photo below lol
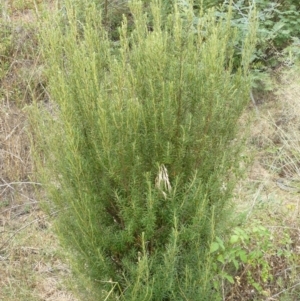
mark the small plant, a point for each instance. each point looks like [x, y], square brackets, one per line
[4, 203]
[248, 257]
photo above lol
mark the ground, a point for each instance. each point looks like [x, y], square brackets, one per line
[32, 266]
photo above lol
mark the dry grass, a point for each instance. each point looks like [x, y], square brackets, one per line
[15, 149]
[274, 146]
[31, 266]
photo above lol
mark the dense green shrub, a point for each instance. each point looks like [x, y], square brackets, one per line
[137, 148]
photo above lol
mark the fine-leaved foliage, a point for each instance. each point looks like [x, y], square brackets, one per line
[136, 145]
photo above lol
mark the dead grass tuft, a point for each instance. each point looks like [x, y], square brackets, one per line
[22, 79]
[30, 266]
[274, 145]
[16, 164]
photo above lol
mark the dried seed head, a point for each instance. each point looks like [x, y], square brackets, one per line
[162, 182]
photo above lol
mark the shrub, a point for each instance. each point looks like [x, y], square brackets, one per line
[137, 150]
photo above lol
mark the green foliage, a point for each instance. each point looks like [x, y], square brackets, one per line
[239, 252]
[277, 34]
[246, 256]
[136, 148]
[288, 16]
[279, 24]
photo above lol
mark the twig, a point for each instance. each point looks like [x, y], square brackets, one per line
[4, 151]
[24, 227]
[17, 231]
[284, 227]
[19, 183]
[276, 295]
[9, 135]
[17, 206]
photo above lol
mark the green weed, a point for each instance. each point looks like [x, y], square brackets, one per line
[249, 256]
